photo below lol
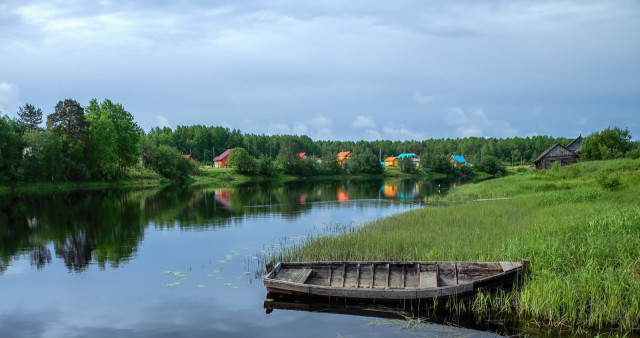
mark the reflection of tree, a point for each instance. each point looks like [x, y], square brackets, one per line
[75, 250]
[106, 227]
[40, 256]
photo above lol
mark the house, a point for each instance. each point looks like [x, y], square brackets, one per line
[415, 159]
[560, 154]
[222, 160]
[343, 157]
[391, 161]
[190, 158]
[458, 161]
[303, 155]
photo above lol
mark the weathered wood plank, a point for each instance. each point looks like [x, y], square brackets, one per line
[358, 277]
[344, 270]
[506, 266]
[428, 279]
[301, 276]
[330, 274]
[388, 276]
[404, 283]
[373, 275]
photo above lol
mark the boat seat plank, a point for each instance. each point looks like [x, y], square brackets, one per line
[506, 266]
[300, 276]
[428, 279]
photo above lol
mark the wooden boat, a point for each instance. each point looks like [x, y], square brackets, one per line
[391, 280]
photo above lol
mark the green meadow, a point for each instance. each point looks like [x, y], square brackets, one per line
[579, 226]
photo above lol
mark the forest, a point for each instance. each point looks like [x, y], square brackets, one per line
[101, 141]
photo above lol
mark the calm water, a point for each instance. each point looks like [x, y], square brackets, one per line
[180, 262]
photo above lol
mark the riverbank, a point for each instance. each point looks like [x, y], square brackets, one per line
[579, 225]
[139, 177]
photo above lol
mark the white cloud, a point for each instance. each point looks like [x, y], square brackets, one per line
[401, 133]
[363, 122]
[162, 121]
[300, 128]
[422, 98]
[278, 129]
[8, 98]
[477, 123]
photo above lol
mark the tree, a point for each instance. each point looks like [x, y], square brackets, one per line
[607, 144]
[364, 163]
[491, 165]
[166, 161]
[10, 151]
[438, 163]
[242, 161]
[68, 118]
[30, 116]
[115, 135]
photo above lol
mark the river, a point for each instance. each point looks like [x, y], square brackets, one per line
[183, 261]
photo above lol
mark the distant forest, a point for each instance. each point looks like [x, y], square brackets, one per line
[204, 143]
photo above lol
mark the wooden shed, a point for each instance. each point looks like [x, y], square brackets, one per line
[391, 161]
[222, 160]
[557, 153]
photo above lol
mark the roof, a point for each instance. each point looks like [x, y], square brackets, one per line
[544, 153]
[459, 158]
[189, 157]
[390, 158]
[406, 155]
[576, 144]
[302, 155]
[223, 155]
[343, 154]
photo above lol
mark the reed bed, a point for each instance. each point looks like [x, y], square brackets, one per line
[581, 233]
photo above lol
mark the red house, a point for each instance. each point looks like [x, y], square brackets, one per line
[222, 160]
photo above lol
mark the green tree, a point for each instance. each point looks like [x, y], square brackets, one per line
[115, 134]
[438, 163]
[166, 161]
[11, 146]
[607, 144]
[364, 163]
[30, 116]
[491, 165]
[242, 161]
[68, 118]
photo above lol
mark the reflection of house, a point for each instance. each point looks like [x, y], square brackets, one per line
[560, 154]
[343, 157]
[342, 195]
[222, 197]
[222, 160]
[303, 155]
[415, 159]
[458, 161]
[390, 190]
[391, 161]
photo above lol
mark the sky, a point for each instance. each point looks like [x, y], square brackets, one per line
[339, 70]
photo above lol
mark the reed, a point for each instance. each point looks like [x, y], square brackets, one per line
[582, 237]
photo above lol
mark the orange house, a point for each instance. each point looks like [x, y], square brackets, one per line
[343, 157]
[222, 160]
[391, 161]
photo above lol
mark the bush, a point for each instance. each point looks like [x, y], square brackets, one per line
[608, 182]
[364, 163]
[467, 171]
[166, 161]
[492, 166]
[437, 163]
[607, 144]
[242, 161]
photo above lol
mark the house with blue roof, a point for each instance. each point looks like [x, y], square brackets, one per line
[415, 159]
[459, 161]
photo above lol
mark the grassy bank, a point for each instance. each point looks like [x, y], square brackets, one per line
[579, 225]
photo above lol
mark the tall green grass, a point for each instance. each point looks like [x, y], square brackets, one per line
[582, 237]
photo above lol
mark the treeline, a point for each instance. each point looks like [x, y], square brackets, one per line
[204, 143]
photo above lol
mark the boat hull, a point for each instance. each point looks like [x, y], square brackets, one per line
[392, 280]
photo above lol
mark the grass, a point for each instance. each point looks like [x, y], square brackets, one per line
[581, 234]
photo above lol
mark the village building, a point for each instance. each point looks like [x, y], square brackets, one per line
[303, 155]
[458, 161]
[190, 157]
[415, 159]
[222, 160]
[391, 161]
[343, 157]
[559, 154]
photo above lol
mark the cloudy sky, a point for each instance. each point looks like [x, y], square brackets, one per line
[332, 69]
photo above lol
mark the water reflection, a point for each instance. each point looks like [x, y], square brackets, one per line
[107, 227]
